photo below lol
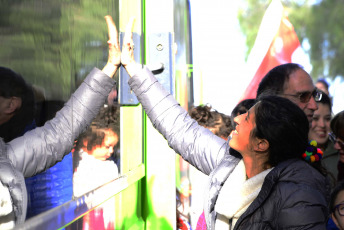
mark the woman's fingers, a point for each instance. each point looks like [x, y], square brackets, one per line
[112, 30]
[114, 56]
[128, 36]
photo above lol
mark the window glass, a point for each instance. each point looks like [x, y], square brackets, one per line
[54, 44]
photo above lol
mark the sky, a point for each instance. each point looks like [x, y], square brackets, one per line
[219, 57]
[218, 54]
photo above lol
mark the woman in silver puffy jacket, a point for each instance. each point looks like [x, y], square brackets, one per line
[271, 187]
[291, 195]
[43, 147]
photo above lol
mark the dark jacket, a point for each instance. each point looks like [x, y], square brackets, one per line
[331, 158]
[43, 147]
[294, 194]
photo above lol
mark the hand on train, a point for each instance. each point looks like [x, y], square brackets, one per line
[114, 57]
[126, 57]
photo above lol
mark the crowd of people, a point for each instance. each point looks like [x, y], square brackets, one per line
[277, 162]
[275, 174]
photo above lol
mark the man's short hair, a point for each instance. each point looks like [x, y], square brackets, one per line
[13, 84]
[273, 81]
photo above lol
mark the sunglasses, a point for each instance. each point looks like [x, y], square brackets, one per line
[305, 97]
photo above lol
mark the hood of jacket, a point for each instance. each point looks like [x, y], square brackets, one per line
[14, 181]
[285, 180]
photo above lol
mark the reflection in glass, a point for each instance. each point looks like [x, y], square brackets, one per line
[93, 162]
[54, 44]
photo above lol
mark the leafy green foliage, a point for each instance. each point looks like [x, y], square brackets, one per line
[320, 23]
[54, 44]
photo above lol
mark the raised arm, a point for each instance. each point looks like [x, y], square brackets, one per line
[194, 143]
[114, 57]
[42, 147]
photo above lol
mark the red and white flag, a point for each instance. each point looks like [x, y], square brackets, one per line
[275, 44]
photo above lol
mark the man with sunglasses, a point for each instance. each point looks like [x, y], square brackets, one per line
[293, 82]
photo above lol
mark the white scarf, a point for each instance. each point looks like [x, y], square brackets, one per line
[92, 173]
[6, 208]
[236, 195]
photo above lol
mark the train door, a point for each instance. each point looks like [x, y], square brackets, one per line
[54, 45]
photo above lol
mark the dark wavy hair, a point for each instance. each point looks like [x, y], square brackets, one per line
[207, 117]
[241, 108]
[273, 81]
[13, 84]
[326, 100]
[284, 125]
[107, 118]
[337, 125]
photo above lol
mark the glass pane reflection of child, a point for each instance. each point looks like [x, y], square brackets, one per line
[93, 149]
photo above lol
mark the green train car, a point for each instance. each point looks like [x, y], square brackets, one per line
[54, 44]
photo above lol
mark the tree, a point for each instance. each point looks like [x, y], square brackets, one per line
[318, 23]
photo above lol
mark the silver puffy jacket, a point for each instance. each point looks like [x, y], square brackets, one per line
[43, 147]
[294, 195]
[196, 144]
